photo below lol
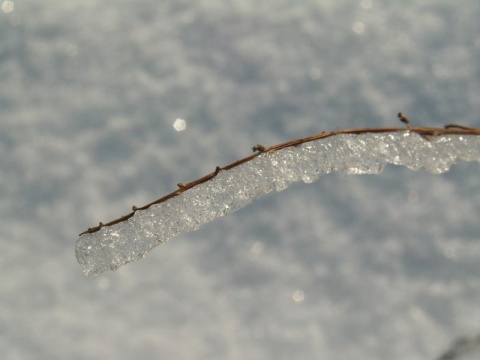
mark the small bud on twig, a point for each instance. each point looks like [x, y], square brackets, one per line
[403, 118]
[259, 148]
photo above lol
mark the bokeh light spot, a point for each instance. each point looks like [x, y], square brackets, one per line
[8, 6]
[358, 27]
[179, 124]
[298, 296]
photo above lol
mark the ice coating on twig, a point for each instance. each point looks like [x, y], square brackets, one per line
[366, 153]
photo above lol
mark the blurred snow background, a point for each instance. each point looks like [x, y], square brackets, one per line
[364, 267]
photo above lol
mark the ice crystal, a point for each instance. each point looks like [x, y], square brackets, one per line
[229, 190]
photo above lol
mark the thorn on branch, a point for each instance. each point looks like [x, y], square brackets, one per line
[217, 170]
[403, 118]
[181, 185]
[134, 208]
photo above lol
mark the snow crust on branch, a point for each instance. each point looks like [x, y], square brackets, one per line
[232, 189]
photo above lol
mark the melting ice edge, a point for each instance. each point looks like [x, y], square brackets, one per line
[367, 153]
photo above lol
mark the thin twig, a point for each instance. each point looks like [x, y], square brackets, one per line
[457, 126]
[259, 149]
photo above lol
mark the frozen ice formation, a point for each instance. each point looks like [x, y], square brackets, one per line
[366, 153]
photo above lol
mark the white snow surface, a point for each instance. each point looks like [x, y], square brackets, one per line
[232, 189]
[349, 267]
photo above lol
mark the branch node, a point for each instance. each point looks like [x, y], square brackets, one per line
[259, 148]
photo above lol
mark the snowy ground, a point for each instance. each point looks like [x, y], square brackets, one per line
[351, 267]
